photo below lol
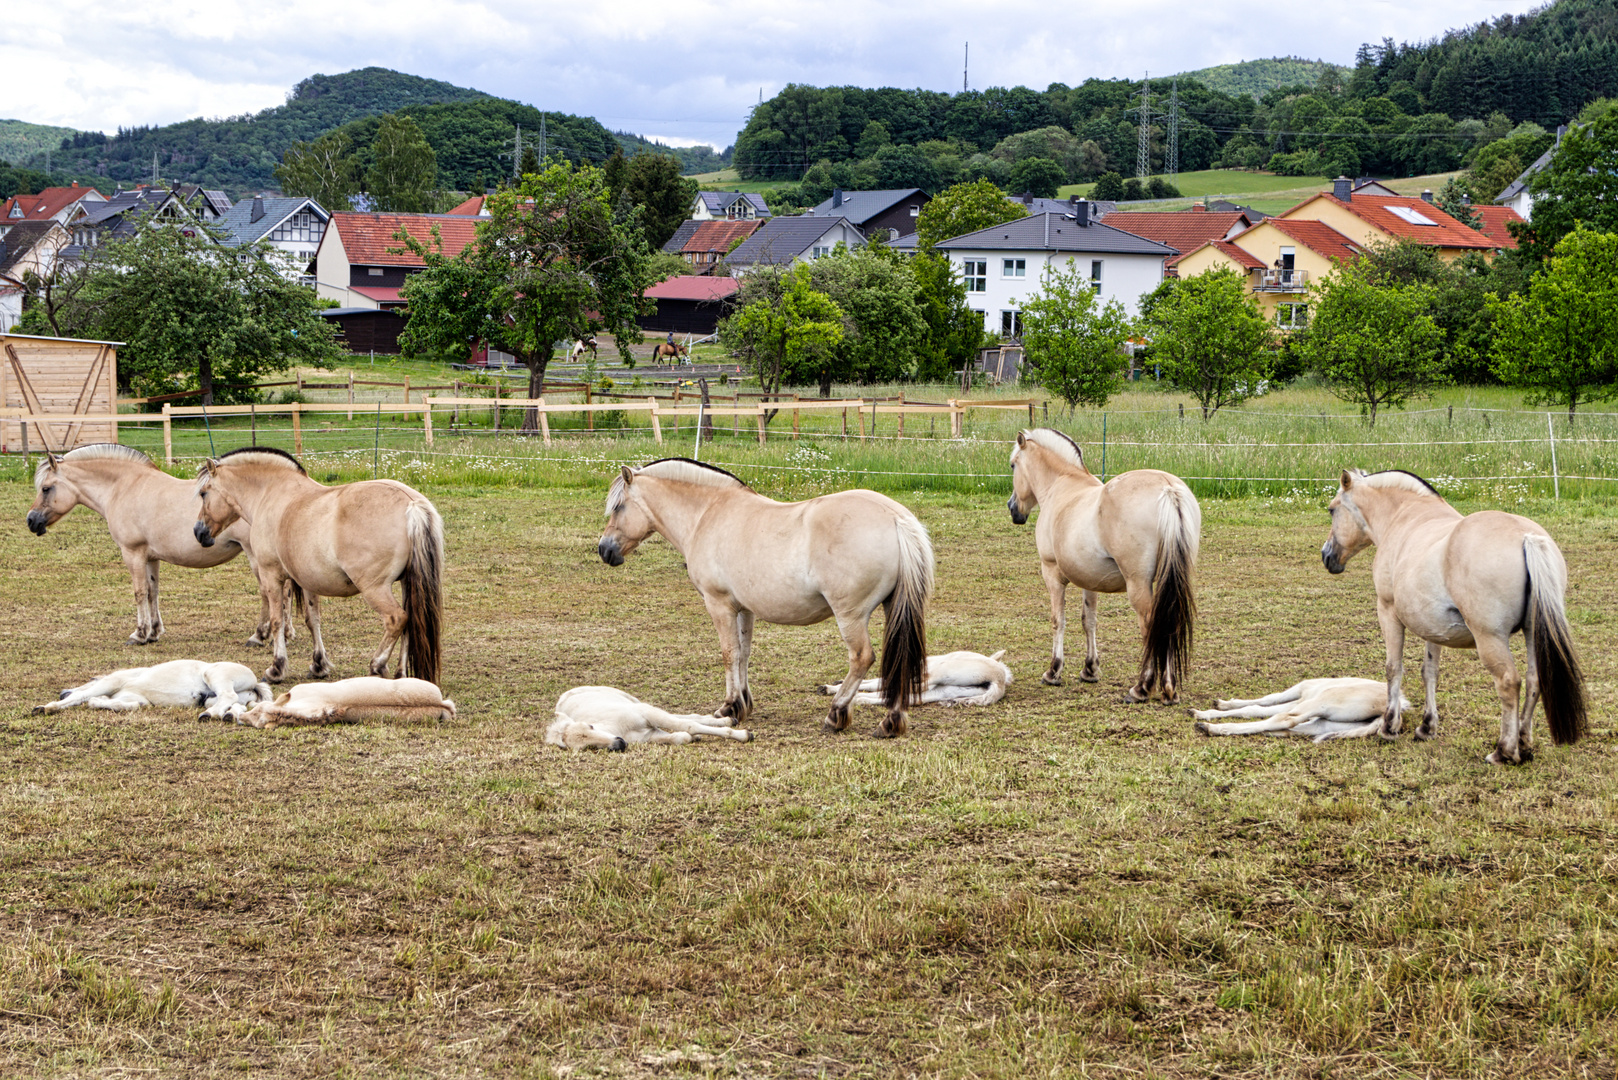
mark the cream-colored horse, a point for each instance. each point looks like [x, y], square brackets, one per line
[347, 701]
[149, 514]
[1468, 583]
[357, 539]
[607, 718]
[792, 563]
[1137, 534]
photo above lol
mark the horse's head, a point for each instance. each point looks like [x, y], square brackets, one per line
[1023, 500]
[1349, 533]
[628, 523]
[56, 495]
[219, 510]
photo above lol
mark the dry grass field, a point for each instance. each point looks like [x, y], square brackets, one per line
[1061, 885]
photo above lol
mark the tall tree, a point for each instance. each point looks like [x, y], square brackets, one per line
[655, 185]
[1211, 341]
[786, 331]
[552, 262]
[195, 316]
[1559, 342]
[1074, 342]
[954, 330]
[1579, 184]
[962, 209]
[325, 170]
[1376, 345]
[404, 170]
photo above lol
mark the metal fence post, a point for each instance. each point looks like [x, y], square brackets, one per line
[1556, 479]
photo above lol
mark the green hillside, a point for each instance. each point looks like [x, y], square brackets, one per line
[20, 141]
[1259, 77]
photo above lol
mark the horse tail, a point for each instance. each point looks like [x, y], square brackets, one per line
[1550, 643]
[423, 584]
[904, 636]
[1174, 605]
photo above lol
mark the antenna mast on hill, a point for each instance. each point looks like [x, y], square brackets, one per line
[966, 57]
[1171, 155]
[1143, 145]
[154, 169]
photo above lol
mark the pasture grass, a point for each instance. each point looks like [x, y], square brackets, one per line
[1060, 885]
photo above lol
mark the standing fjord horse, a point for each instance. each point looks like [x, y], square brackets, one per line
[1137, 534]
[1468, 583]
[357, 539]
[149, 514]
[788, 563]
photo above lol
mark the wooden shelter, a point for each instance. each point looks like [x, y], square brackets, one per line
[69, 376]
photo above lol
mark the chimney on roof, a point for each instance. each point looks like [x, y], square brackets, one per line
[1199, 208]
[836, 197]
[1026, 198]
[1427, 194]
[1466, 200]
[1081, 212]
[258, 208]
[1343, 188]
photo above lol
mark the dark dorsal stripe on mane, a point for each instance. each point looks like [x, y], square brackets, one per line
[262, 455]
[682, 469]
[1396, 479]
[103, 451]
[1057, 443]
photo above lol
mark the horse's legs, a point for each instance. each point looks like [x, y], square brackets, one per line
[1393, 637]
[744, 638]
[382, 601]
[1429, 683]
[1139, 592]
[154, 622]
[222, 700]
[1530, 697]
[135, 561]
[272, 588]
[1495, 652]
[727, 622]
[1092, 648]
[122, 701]
[856, 630]
[79, 695]
[263, 631]
[1057, 587]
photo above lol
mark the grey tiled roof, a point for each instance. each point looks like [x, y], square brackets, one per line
[676, 242]
[1515, 188]
[861, 206]
[782, 239]
[20, 239]
[239, 227]
[717, 201]
[1056, 232]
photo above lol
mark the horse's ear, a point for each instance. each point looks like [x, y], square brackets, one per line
[1348, 480]
[1022, 439]
[628, 474]
[54, 459]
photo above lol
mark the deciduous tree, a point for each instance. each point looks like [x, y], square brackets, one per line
[962, 209]
[325, 170]
[1211, 341]
[1074, 342]
[788, 333]
[404, 172]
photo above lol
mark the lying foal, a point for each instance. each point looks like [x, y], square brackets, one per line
[224, 688]
[607, 718]
[350, 700]
[1320, 709]
[957, 678]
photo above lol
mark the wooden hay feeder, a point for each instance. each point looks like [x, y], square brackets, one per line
[67, 376]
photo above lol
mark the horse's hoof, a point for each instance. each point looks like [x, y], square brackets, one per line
[836, 720]
[203, 718]
[1089, 677]
[822, 688]
[743, 735]
[274, 675]
[1050, 679]
[1202, 728]
[618, 746]
[1425, 734]
[40, 709]
[1387, 736]
[1133, 696]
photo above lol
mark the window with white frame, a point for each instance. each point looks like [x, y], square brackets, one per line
[1095, 274]
[819, 252]
[1014, 268]
[976, 273]
[1292, 316]
[1011, 324]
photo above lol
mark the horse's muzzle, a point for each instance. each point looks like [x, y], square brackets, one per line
[1017, 516]
[1331, 555]
[37, 521]
[203, 534]
[609, 552]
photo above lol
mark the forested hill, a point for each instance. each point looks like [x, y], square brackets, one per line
[1259, 77]
[1541, 66]
[21, 141]
[240, 153]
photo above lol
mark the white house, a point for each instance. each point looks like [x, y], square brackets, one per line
[293, 225]
[781, 241]
[1002, 266]
[728, 206]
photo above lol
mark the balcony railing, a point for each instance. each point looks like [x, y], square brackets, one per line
[1283, 280]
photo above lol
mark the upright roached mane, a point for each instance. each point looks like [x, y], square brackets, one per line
[1395, 480]
[1060, 444]
[675, 468]
[93, 452]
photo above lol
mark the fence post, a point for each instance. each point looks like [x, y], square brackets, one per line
[657, 428]
[845, 425]
[544, 420]
[1103, 448]
[427, 420]
[297, 424]
[351, 395]
[455, 413]
[676, 420]
[1030, 414]
[901, 414]
[761, 423]
[589, 414]
[299, 373]
[861, 412]
[1555, 476]
[736, 417]
[407, 390]
[252, 420]
[168, 433]
[956, 410]
[497, 407]
[795, 399]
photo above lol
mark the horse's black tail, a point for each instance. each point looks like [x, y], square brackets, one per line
[423, 584]
[1168, 636]
[1561, 684]
[904, 636]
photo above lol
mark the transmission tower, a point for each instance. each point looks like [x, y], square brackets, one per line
[516, 155]
[1171, 157]
[1143, 146]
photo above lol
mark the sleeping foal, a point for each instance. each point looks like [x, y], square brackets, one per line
[607, 718]
[1319, 709]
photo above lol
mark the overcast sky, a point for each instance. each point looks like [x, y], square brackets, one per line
[683, 72]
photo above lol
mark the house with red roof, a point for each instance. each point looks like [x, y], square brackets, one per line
[1182, 230]
[361, 264]
[59, 204]
[1369, 219]
[692, 304]
[704, 243]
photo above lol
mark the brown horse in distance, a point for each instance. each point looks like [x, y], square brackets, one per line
[356, 539]
[664, 351]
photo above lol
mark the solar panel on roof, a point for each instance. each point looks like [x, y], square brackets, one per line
[1412, 215]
